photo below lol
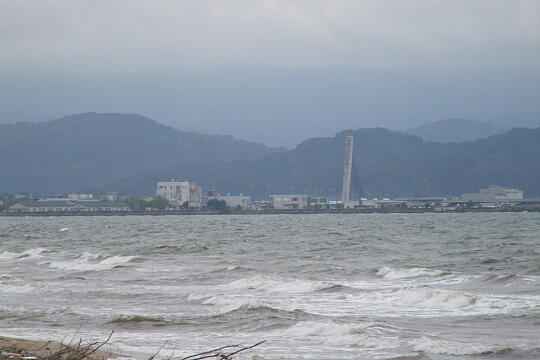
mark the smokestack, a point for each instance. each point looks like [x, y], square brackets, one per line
[347, 167]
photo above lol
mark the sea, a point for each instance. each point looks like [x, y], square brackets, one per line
[343, 286]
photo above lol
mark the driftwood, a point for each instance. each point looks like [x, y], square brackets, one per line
[78, 350]
[218, 353]
[90, 350]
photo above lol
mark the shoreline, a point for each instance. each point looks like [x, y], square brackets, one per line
[13, 348]
[275, 212]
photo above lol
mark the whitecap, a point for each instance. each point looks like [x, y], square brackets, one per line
[7, 277]
[228, 303]
[343, 334]
[30, 253]
[429, 297]
[92, 262]
[17, 289]
[400, 273]
[437, 346]
[280, 285]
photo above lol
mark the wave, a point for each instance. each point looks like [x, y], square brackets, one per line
[92, 262]
[401, 273]
[437, 346]
[177, 249]
[235, 304]
[489, 261]
[7, 277]
[229, 303]
[497, 279]
[419, 356]
[430, 297]
[257, 310]
[231, 268]
[344, 334]
[9, 287]
[139, 319]
[237, 268]
[246, 317]
[280, 285]
[30, 253]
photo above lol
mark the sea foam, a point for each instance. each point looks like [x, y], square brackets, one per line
[30, 253]
[429, 297]
[344, 334]
[400, 273]
[91, 262]
[437, 346]
[279, 285]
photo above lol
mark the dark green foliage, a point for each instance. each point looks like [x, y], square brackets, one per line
[456, 130]
[130, 153]
[160, 203]
[389, 164]
[216, 204]
[95, 152]
[138, 204]
[6, 201]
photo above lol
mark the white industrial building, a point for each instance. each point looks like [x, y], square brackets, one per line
[290, 201]
[494, 193]
[71, 206]
[179, 193]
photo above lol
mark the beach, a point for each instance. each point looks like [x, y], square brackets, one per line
[15, 348]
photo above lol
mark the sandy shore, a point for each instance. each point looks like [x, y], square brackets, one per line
[15, 349]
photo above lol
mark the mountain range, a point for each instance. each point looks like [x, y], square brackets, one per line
[456, 130]
[278, 106]
[129, 153]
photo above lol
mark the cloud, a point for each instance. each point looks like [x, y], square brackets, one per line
[135, 34]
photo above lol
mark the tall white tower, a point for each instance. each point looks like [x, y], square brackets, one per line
[347, 168]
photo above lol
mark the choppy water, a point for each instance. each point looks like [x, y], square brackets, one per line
[379, 286]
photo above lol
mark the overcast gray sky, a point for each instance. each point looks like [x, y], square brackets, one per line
[95, 35]
[272, 71]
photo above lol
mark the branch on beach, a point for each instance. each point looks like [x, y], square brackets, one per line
[78, 350]
[218, 353]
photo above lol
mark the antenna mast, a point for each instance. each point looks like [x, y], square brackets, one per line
[347, 167]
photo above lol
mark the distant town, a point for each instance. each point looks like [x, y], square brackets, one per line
[188, 197]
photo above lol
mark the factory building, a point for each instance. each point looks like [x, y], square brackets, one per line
[494, 193]
[290, 201]
[180, 193]
[233, 201]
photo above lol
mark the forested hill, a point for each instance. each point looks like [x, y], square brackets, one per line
[89, 151]
[130, 153]
[390, 163]
[456, 130]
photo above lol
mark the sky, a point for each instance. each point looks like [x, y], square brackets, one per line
[71, 43]
[85, 35]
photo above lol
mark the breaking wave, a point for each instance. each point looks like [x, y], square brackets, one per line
[401, 273]
[139, 319]
[7, 277]
[436, 346]
[249, 318]
[345, 334]
[177, 249]
[92, 262]
[31, 253]
[430, 297]
[280, 285]
[497, 279]
[229, 303]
